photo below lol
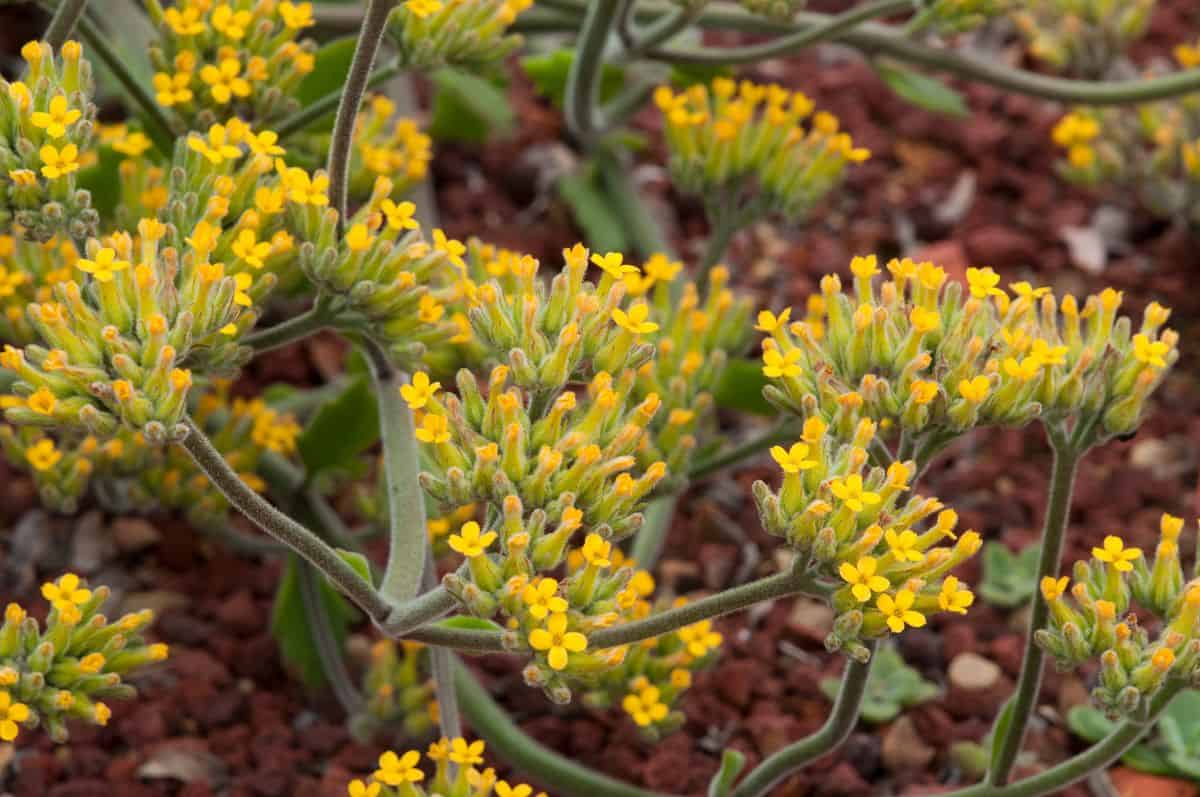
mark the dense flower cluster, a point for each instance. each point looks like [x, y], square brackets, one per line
[743, 147]
[46, 130]
[435, 33]
[218, 60]
[1083, 37]
[936, 358]
[854, 529]
[125, 474]
[399, 692]
[1092, 618]
[68, 669]
[457, 773]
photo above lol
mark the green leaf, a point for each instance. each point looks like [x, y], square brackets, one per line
[358, 562]
[329, 75]
[1088, 723]
[468, 108]
[293, 628]
[921, 90]
[593, 212]
[341, 430]
[1009, 579]
[103, 182]
[549, 75]
[684, 75]
[1000, 730]
[740, 388]
[464, 622]
[732, 763]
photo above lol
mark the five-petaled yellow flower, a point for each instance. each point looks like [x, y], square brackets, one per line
[11, 713]
[556, 641]
[399, 215]
[646, 706]
[59, 162]
[470, 542]
[903, 546]
[433, 429]
[105, 265]
[794, 459]
[975, 390]
[699, 638]
[776, 365]
[898, 611]
[55, 119]
[396, 770]
[863, 578]
[43, 455]
[954, 598]
[542, 598]
[66, 595]
[613, 264]
[983, 283]
[468, 754]
[635, 320]
[1152, 353]
[850, 491]
[224, 81]
[420, 391]
[1116, 554]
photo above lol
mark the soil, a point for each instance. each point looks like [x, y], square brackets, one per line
[223, 717]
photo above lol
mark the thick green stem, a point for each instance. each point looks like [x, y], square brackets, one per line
[442, 665]
[406, 502]
[782, 433]
[649, 540]
[296, 328]
[369, 37]
[645, 233]
[836, 729]
[731, 600]
[493, 724]
[583, 81]
[1058, 510]
[725, 226]
[829, 28]
[314, 111]
[280, 526]
[1096, 757]
[63, 22]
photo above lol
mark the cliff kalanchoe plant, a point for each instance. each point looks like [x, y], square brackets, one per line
[535, 418]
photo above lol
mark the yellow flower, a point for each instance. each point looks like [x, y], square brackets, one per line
[635, 320]
[923, 391]
[542, 598]
[422, 8]
[66, 596]
[59, 162]
[56, 118]
[645, 707]
[793, 460]
[1046, 354]
[898, 611]
[769, 323]
[1116, 554]
[242, 283]
[418, 393]
[452, 249]
[217, 147]
[975, 390]
[903, 546]
[43, 455]
[1152, 353]
[468, 754]
[359, 238]
[296, 16]
[1024, 370]
[105, 267]
[172, 90]
[983, 282]
[304, 190]
[433, 429]
[597, 550]
[862, 578]
[230, 23]
[396, 770]
[556, 641]
[224, 81]
[133, 145]
[186, 22]
[264, 143]
[359, 789]
[699, 638]
[953, 599]
[399, 215]
[776, 365]
[10, 714]
[519, 790]
[469, 542]
[1162, 659]
[613, 264]
[924, 320]
[250, 250]
[850, 491]
[42, 401]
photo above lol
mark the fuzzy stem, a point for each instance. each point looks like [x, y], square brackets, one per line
[369, 37]
[1058, 510]
[406, 502]
[493, 724]
[830, 28]
[442, 663]
[63, 22]
[583, 81]
[837, 727]
[287, 332]
[283, 528]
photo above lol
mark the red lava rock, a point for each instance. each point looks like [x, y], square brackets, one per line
[1007, 651]
[736, 680]
[241, 614]
[197, 790]
[957, 638]
[1131, 783]
[1001, 247]
[147, 724]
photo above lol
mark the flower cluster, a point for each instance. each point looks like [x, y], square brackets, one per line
[1093, 618]
[935, 358]
[125, 474]
[457, 773]
[399, 692]
[743, 147]
[854, 530]
[46, 130]
[436, 33]
[28, 272]
[956, 16]
[238, 58]
[68, 669]
[1082, 37]
[782, 10]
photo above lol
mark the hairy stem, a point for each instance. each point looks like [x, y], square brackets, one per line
[1058, 509]
[369, 37]
[442, 663]
[493, 724]
[283, 528]
[287, 332]
[830, 28]
[837, 727]
[583, 81]
[406, 502]
[63, 22]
